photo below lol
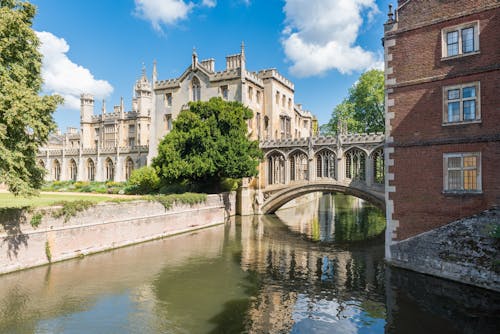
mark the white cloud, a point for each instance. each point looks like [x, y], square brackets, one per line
[321, 35]
[209, 3]
[63, 77]
[165, 11]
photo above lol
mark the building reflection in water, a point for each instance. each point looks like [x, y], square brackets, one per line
[251, 275]
[333, 217]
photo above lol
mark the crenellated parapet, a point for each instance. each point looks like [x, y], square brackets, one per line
[274, 74]
[348, 139]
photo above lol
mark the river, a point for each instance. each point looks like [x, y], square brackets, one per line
[314, 268]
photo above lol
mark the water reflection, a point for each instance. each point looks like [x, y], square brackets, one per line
[252, 275]
[333, 218]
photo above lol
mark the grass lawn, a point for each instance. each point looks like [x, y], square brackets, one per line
[8, 200]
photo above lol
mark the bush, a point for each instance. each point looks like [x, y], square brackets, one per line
[143, 181]
[187, 198]
[230, 184]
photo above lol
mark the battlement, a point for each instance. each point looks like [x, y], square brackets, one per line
[253, 76]
[169, 83]
[351, 138]
[274, 74]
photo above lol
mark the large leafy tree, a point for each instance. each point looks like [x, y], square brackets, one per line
[25, 116]
[363, 109]
[208, 143]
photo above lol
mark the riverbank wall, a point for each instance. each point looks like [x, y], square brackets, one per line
[102, 227]
[466, 251]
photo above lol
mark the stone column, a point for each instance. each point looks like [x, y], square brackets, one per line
[369, 171]
[244, 200]
[340, 166]
[287, 171]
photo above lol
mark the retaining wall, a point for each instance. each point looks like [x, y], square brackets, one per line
[463, 251]
[102, 227]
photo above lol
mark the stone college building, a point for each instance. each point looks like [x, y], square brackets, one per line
[112, 144]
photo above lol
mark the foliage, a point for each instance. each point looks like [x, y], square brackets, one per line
[25, 116]
[169, 200]
[36, 219]
[70, 209]
[363, 109]
[494, 230]
[208, 142]
[143, 181]
[8, 200]
[85, 187]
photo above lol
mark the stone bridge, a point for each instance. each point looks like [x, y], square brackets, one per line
[352, 164]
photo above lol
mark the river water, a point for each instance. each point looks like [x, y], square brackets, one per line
[314, 268]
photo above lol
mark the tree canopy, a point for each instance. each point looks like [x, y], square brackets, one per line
[363, 109]
[25, 116]
[208, 142]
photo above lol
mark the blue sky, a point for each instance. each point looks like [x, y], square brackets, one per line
[99, 46]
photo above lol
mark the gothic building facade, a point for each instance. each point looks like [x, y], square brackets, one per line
[112, 144]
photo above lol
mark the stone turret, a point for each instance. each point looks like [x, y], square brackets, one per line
[86, 107]
[144, 95]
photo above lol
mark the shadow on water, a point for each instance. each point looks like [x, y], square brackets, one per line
[253, 275]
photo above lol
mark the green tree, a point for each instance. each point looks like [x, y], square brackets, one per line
[363, 109]
[208, 143]
[25, 116]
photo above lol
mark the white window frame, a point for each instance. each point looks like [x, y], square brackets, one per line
[459, 28]
[461, 155]
[461, 101]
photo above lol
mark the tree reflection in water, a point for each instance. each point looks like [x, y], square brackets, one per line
[253, 275]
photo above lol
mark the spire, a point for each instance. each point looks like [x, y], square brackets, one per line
[103, 109]
[122, 105]
[195, 59]
[390, 15]
[242, 60]
[143, 70]
[155, 73]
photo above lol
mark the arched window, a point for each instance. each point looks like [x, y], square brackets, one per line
[56, 170]
[196, 89]
[41, 164]
[325, 164]
[90, 170]
[378, 166]
[355, 161]
[129, 167]
[110, 170]
[73, 171]
[276, 169]
[299, 166]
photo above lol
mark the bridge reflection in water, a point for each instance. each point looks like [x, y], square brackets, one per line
[253, 274]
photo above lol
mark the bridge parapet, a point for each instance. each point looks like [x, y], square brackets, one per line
[350, 163]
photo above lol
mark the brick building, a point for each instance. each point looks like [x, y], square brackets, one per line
[442, 67]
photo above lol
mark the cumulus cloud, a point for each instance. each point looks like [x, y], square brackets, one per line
[165, 11]
[320, 36]
[63, 77]
[209, 3]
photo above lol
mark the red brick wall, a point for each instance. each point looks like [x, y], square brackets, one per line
[419, 110]
[420, 139]
[419, 202]
[416, 12]
[417, 54]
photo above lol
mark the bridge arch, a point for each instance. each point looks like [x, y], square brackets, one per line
[283, 196]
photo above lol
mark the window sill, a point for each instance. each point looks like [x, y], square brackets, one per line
[461, 55]
[462, 193]
[462, 123]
